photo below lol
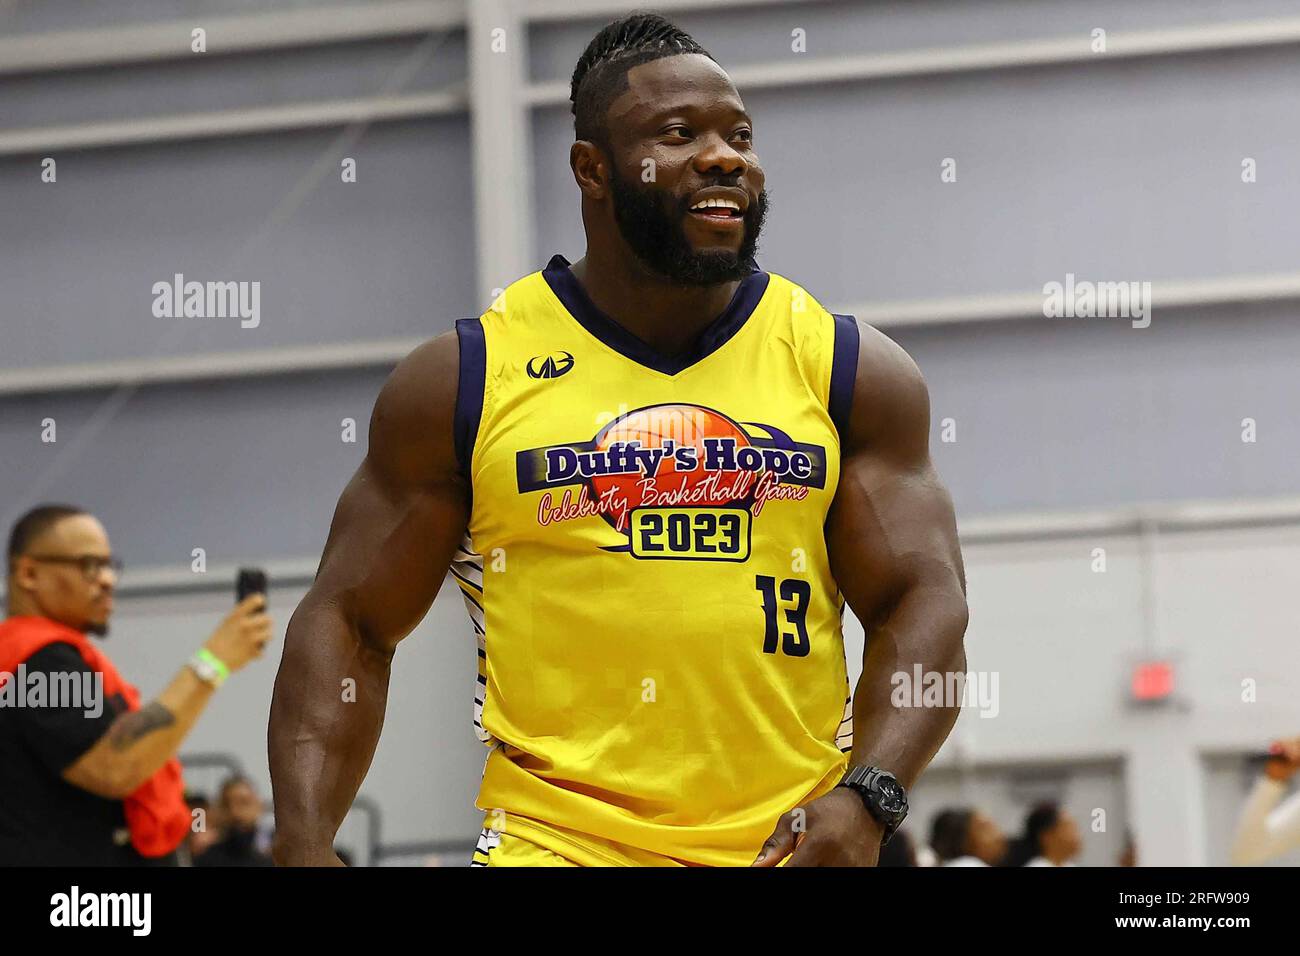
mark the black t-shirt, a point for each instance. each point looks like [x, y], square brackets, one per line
[44, 820]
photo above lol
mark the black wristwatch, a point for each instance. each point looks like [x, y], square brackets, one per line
[884, 796]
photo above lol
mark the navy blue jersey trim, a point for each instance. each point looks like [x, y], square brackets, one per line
[844, 372]
[574, 298]
[469, 391]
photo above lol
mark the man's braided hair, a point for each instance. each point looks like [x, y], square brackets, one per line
[600, 76]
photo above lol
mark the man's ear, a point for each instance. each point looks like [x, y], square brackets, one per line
[590, 169]
[23, 576]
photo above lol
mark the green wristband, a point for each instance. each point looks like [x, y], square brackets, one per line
[210, 667]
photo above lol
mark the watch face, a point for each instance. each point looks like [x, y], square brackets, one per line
[891, 796]
[205, 671]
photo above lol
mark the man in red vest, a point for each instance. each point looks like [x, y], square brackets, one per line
[90, 775]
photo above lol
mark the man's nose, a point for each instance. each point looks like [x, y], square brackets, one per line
[718, 154]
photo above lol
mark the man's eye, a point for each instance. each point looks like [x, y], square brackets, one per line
[684, 131]
[746, 135]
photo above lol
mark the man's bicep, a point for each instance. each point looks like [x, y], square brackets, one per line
[892, 525]
[890, 529]
[404, 513]
[389, 550]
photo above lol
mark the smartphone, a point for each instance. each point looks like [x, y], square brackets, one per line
[249, 581]
[1256, 762]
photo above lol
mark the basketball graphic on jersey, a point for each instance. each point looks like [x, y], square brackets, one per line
[679, 481]
[670, 427]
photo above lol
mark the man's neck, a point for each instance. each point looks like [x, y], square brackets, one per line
[669, 318]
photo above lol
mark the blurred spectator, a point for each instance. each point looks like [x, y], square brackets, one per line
[898, 851]
[961, 836]
[1267, 830]
[1051, 838]
[204, 828]
[1129, 855]
[241, 810]
[90, 770]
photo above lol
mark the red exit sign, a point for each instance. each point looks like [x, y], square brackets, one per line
[1152, 681]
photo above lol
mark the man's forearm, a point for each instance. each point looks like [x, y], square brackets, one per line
[141, 741]
[925, 627]
[326, 714]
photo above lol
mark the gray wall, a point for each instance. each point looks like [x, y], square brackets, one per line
[1113, 170]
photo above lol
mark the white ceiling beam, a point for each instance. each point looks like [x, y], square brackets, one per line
[181, 369]
[791, 73]
[282, 29]
[1019, 528]
[798, 71]
[542, 11]
[44, 140]
[247, 33]
[1021, 306]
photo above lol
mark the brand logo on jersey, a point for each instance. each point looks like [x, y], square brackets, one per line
[662, 462]
[549, 366]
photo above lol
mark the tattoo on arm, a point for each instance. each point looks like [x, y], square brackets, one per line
[129, 728]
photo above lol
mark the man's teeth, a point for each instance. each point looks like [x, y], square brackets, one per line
[717, 204]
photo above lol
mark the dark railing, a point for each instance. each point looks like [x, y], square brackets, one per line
[207, 761]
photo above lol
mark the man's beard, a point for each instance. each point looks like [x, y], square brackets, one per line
[99, 630]
[651, 223]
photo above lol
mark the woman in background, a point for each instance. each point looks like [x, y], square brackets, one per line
[964, 837]
[1051, 838]
[1267, 830]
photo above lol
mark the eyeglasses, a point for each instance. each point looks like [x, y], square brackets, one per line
[91, 565]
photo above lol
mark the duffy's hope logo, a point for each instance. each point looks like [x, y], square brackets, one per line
[680, 481]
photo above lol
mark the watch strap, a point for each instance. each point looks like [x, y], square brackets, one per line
[862, 780]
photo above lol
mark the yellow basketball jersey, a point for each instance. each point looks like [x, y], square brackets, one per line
[661, 663]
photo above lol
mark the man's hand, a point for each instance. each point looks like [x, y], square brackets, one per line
[243, 635]
[834, 830]
[1284, 760]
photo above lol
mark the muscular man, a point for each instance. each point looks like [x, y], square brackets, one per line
[657, 475]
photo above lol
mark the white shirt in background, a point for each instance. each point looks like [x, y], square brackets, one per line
[1267, 830]
[965, 861]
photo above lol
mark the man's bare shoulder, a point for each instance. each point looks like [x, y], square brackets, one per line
[891, 403]
[412, 429]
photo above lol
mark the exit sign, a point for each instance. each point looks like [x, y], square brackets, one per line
[1152, 681]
